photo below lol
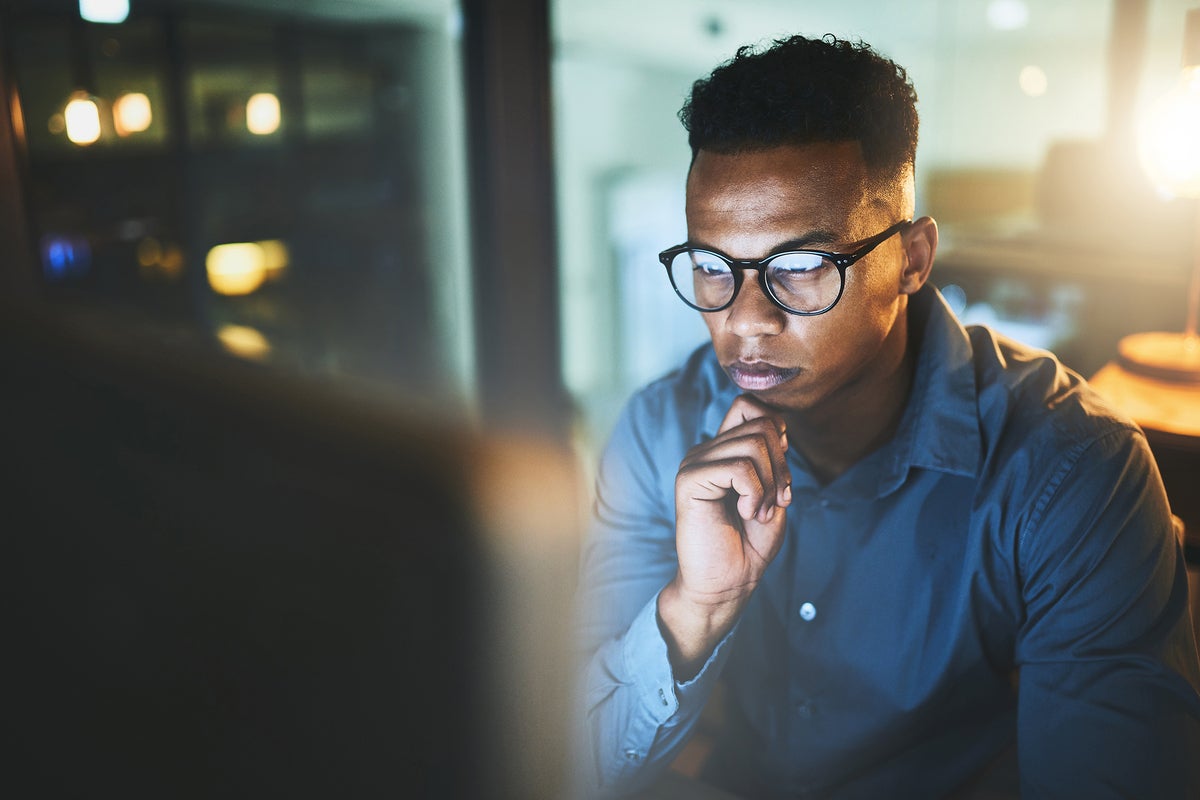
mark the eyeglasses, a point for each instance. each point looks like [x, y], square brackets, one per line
[805, 282]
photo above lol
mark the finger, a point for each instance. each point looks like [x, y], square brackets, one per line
[754, 415]
[758, 441]
[765, 537]
[745, 408]
[713, 480]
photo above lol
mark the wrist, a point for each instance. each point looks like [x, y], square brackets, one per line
[693, 626]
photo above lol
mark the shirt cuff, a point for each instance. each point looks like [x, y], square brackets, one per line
[649, 667]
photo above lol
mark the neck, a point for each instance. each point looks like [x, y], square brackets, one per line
[861, 417]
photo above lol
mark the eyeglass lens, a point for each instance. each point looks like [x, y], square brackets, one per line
[803, 282]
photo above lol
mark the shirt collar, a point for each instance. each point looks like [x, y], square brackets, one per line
[939, 429]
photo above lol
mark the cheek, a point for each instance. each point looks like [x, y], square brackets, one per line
[871, 301]
[724, 344]
[852, 332]
[816, 339]
[877, 282]
[715, 324]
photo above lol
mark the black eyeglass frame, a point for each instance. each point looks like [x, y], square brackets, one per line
[738, 267]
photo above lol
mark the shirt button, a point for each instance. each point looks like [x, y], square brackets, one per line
[633, 755]
[808, 612]
[804, 709]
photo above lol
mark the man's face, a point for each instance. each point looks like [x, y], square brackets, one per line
[752, 204]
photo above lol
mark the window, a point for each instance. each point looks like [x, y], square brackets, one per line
[284, 185]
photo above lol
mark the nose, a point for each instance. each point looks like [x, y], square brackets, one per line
[753, 313]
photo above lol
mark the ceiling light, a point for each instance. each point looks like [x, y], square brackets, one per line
[1033, 81]
[82, 119]
[262, 114]
[111, 12]
[1007, 15]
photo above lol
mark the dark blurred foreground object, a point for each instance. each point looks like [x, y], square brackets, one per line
[221, 583]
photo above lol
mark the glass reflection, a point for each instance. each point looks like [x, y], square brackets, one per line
[236, 269]
[132, 113]
[263, 114]
[82, 120]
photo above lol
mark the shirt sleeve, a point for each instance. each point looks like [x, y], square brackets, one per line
[633, 717]
[1107, 704]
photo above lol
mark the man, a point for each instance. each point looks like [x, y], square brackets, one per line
[905, 548]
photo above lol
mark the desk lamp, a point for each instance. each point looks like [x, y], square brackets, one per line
[1169, 145]
[1156, 377]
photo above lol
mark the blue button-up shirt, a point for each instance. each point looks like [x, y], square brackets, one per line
[1003, 569]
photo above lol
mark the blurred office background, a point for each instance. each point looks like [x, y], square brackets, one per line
[1027, 159]
[452, 210]
[292, 182]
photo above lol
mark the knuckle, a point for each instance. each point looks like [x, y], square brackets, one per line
[751, 469]
[741, 463]
[687, 470]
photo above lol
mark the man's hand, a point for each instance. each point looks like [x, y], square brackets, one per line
[730, 499]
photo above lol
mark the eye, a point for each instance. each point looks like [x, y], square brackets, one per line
[709, 265]
[798, 266]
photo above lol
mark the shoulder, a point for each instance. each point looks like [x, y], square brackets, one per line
[997, 407]
[1060, 456]
[1028, 399]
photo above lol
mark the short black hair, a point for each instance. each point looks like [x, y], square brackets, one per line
[805, 91]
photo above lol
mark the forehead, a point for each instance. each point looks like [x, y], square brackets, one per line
[787, 191]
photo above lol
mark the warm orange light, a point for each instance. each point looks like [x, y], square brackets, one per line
[1169, 138]
[149, 251]
[236, 269]
[262, 114]
[156, 262]
[18, 116]
[170, 264]
[275, 258]
[244, 341]
[82, 119]
[132, 113]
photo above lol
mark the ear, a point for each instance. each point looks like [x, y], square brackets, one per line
[920, 244]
